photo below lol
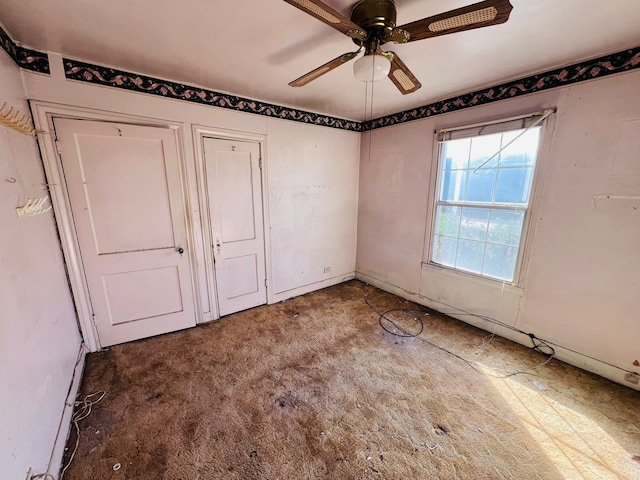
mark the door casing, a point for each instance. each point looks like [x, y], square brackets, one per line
[200, 132]
[44, 114]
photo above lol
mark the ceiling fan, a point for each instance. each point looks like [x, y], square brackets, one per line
[373, 23]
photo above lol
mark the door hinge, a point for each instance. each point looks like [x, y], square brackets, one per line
[265, 283]
[58, 149]
[260, 162]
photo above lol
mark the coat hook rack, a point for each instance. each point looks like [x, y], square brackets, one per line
[17, 121]
[34, 206]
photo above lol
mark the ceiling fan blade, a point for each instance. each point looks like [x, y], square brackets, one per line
[401, 76]
[483, 14]
[328, 15]
[326, 68]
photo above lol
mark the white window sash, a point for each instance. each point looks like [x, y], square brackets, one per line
[498, 206]
[525, 122]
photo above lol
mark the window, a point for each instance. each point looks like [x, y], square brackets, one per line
[485, 174]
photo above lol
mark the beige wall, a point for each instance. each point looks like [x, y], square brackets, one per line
[313, 200]
[39, 339]
[579, 287]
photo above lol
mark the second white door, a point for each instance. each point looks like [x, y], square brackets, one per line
[234, 190]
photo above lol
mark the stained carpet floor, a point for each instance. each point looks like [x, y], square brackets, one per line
[314, 388]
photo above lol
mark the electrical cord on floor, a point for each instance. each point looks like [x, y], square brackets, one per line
[549, 343]
[405, 333]
[383, 320]
[538, 343]
[83, 411]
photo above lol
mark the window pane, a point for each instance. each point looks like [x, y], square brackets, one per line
[452, 185]
[484, 147]
[444, 250]
[479, 216]
[480, 185]
[521, 152]
[456, 154]
[500, 262]
[474, 223]
[514, 185]
[470, 255]
[505, 227]
[448, 220]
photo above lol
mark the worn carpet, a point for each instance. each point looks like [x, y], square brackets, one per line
[314, 388]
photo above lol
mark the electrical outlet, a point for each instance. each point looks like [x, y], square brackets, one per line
[327, 269]
[632, 378]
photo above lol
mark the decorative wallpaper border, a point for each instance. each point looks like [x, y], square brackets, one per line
[579, 72]
[24, 57]
[587, 70]
[86, 72]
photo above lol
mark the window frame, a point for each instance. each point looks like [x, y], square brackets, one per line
[546, 130]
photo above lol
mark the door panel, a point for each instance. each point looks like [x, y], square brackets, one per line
[235, 196]
[127, 302]
[111, 168]
[126, 197]
[241, 275]
[234, 192]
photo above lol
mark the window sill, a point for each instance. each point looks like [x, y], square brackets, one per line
[470, 277]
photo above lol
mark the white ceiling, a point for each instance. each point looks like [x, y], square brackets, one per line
[253, 48]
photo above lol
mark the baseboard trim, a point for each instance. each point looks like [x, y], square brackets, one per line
[573, 358]
[312, 287]
[57, 454]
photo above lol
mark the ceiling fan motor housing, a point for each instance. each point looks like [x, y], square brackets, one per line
[376, 17]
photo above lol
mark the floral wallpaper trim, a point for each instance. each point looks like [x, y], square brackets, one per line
[619, 62]
[579, 72]
[24, 57]
[86, 72]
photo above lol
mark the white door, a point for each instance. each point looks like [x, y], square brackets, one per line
[234, 191]
[128, 208]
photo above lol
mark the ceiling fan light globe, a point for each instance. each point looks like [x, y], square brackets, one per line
[371, 68]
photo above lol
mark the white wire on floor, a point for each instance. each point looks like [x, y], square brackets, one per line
[83, 410]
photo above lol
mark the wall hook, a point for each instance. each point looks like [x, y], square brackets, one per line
[34, 206]
[17, 121]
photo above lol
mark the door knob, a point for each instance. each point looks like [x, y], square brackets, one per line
[180, 250]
